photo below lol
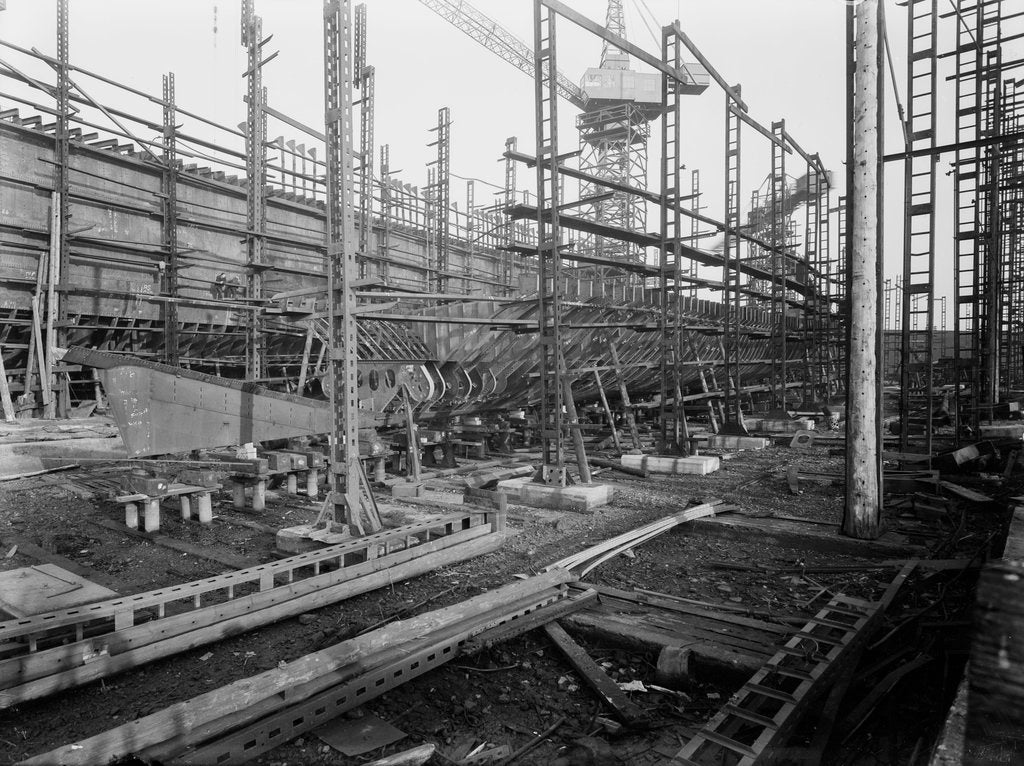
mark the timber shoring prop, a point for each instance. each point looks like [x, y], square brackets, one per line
[115, 635]
[236, 722]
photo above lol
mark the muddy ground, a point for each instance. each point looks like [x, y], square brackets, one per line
[506, 695]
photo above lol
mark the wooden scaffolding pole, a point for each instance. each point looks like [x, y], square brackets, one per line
[863, 432]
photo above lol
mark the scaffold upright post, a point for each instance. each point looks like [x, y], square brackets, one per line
[348, 493]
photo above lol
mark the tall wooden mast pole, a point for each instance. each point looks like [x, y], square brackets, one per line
[863, 428]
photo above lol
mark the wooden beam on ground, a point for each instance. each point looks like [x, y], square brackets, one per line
[964, 492]
[199, 551]
[129, 645]
[197, 718]
[579, 599]
[667, 602]
[615, 466]
[33, 551]
[813, 536]
[594, 676]
[623, 630]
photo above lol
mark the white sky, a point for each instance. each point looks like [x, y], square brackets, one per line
[788, 55]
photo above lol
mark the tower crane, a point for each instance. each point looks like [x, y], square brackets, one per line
[617, 106]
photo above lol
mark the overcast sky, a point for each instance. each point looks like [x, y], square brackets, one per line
[788, 55]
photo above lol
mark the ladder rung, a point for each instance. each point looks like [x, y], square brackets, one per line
[831, 624]
[782, 670]
[793, 651]
[728, 743]
[767, 691]
[819, 639]
[749, 715]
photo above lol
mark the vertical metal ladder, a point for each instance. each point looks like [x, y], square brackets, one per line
[919, 215]
[733, 422]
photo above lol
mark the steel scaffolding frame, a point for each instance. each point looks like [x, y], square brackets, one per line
[613, 146]
[256, 179]
[169, 187]
[918, 283]
[731, 295]
[1011, 186]
[507, 263]
[674, 440]
[813, 323]
[441, 186]
[840, 298]
[970, 192]
[695, 233]
[777, 226]
[827, 317]
[384, 239]
[59, 260]
[349, 495]
[549, 259]
[365, 83]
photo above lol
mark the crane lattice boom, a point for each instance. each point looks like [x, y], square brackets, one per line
[490, 34]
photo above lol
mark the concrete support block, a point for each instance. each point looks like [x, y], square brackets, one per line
[513, 488]
[204, 501]
[186, 507]
[131, 515]
[578, 497]
[259, 495]
[1002, 431]
[408, 489]
[296, 539]
[151, 520]
[293, 484]
[238, 495]
[312, 484]
[779, 425]
[700, 464]
[718, 441]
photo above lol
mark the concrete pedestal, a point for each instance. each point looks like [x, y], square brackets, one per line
[578, 497]
[151, 519]
[1002, 431]
[205, 503]
[719, 441]
[306, 537]
[408, 489]
[700, 464]
[779, 425]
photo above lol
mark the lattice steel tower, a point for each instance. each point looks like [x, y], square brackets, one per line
[614, 129]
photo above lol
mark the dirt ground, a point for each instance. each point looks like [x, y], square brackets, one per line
[508, 694]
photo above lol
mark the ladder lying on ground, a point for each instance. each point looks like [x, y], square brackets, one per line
[760, 716]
